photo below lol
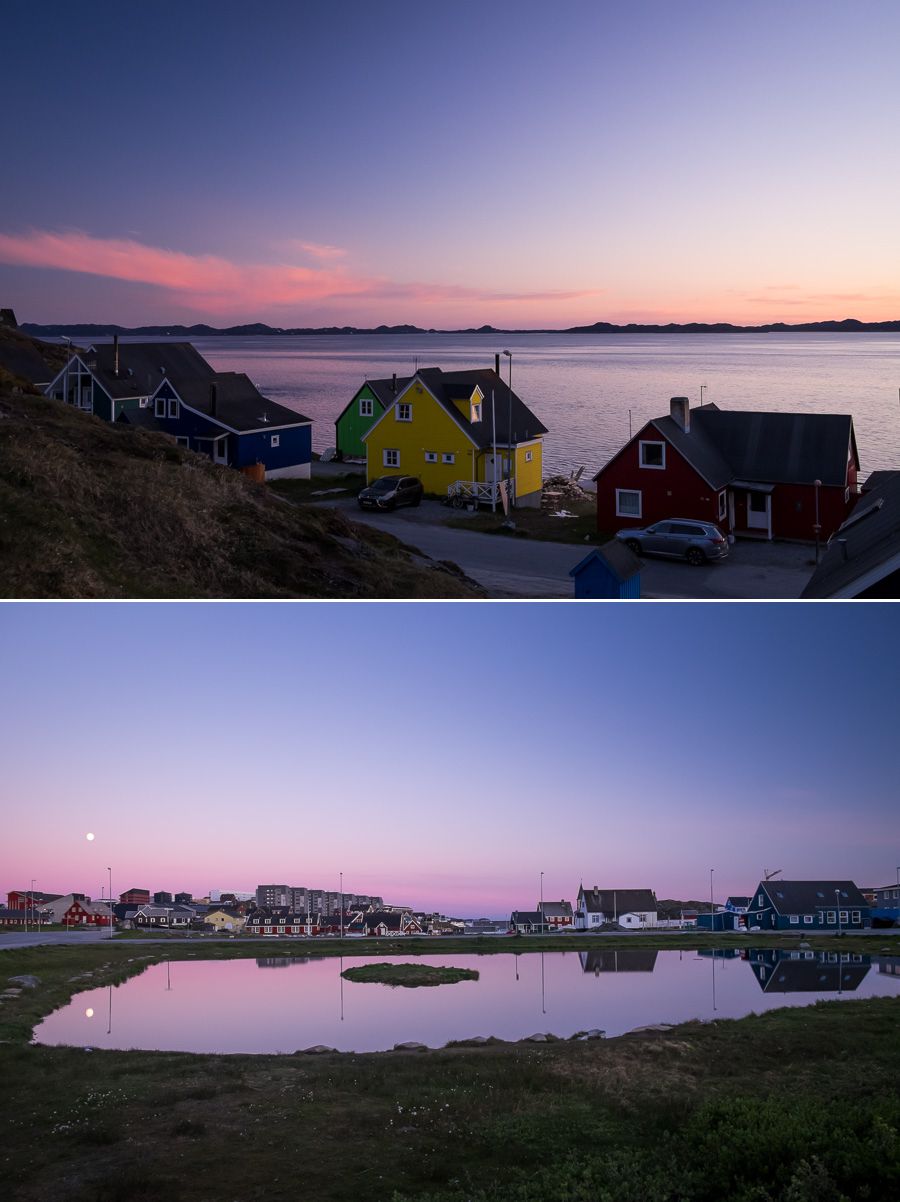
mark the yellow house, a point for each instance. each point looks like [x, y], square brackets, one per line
[454, 430]
[225, 920]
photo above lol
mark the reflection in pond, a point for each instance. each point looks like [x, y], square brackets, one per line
[807, 972]
[202, 1006]
[626, 960]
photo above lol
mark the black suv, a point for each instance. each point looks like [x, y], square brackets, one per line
[390, 491]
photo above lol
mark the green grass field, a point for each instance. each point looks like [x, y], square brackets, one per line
[797, 1105]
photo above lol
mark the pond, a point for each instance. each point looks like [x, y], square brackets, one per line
[284, 1004]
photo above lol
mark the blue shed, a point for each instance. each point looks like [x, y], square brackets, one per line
[607, 573]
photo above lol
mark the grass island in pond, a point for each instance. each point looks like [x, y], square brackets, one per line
[410, 975]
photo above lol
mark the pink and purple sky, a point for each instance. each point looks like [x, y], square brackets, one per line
[516, 163]
[445, 755]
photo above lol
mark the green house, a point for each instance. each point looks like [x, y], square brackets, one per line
[367, 405]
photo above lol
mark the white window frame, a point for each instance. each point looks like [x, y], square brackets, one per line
[173, 408]
[807, 918]
[649, 442]
[159, 408]
[529, 456]
[276, 440]
[620, 513]
[183, 441]
[431, 457]
[390, 457]
[448, 457]
[723, 505]
[399, 414]
[794, 918]
[476, 412]
[366, 407]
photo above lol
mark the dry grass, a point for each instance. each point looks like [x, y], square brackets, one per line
[88, 509]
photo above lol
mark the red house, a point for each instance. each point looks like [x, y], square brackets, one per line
[135, 897]
[86, 913]
[762, 475]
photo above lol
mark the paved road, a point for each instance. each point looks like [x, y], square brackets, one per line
[13, 939]
[524, 567]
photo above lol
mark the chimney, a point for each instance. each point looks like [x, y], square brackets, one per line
[680, 412]
[213, 398]
[842, 543]
[116, 355]
[497, 364]
[394, 385]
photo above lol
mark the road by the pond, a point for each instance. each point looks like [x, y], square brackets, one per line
[508, 567]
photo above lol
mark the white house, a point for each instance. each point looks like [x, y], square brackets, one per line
[630, 908]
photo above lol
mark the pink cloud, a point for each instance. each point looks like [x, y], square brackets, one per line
[217, 285]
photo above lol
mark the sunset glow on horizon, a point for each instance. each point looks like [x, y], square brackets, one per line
[535, 169]
[612, 748]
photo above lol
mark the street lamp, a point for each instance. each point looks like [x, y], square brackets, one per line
[837, 908]
[509, 437]
[542, 903]
[342, 905]
[109, 870]
[712, 921]
[817, 484]
[66, 373]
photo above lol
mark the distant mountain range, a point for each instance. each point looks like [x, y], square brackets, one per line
[848, 326]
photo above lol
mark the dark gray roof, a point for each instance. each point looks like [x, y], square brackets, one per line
[780, 448]
[805, 897]
[739, 901]
[866, 548]
[619, 901]
[531, 916]
[143, 365]
[622, 562]
[451, 386]
[876, 479]
[773, 448]
[239, 403]
[560, 909]
[781, 974]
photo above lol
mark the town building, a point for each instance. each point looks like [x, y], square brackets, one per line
[632, 908]
[760, 475]
[555, 914]
[362, 411]
[135, 897]
[607, 573]
[463, 433]
[808, 906]
[169, 387]
[862, 558]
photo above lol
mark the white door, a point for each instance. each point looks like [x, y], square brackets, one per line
[758, 511]
[502, 468]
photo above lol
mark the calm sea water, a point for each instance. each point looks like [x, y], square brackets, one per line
[282, 1005]
[583, 386]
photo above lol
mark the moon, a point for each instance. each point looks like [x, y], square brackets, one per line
[89, 836]
[89, 1013]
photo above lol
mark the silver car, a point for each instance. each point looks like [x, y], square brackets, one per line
[678, 538]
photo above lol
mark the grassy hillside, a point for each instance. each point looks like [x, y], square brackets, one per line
[88, 509]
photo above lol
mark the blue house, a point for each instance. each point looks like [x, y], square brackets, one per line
[169, 387]
[225, 416]
[780, 971]
[808, 906]
[607, 573]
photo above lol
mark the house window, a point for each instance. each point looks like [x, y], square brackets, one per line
[722, 505]
[653, 454]
[448, 457]
[856, 915]
[807, 918]
[183, 441]
[431, 456]
[276, 440]
[476, 412]
[529, 455]
[173, 407]
[795, 918]
[831, 917]
[628, 503]
[404, 412]
[365, 408]
[391, 458]
[844, 916]
[159, 409]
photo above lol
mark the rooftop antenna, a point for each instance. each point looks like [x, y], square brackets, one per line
[768, 876]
